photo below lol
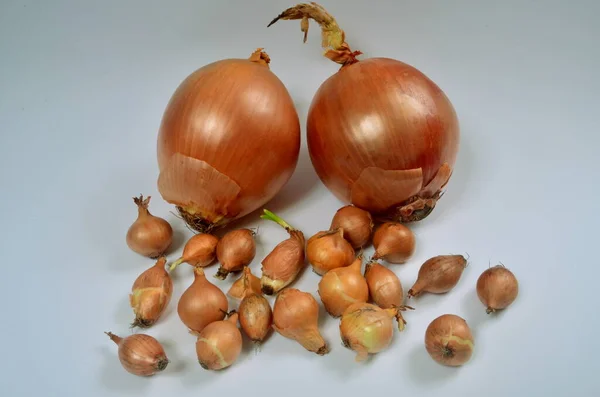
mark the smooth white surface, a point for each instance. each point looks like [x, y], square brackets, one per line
[83, 85]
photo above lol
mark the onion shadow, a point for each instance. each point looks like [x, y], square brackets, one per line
[425, 371]
[115, 378]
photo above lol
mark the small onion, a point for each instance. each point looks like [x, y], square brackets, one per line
[381, 135]
[256, 316]
[393, 242]
[281, 267]
[149, 235]
[246, 281]
[449, 341]
[202, 303]
[438, 275]
[219, 344]
[357, 225]
[343, 286]
[150, 294]
[385, 288]
[200, 250]
[497, 288]
[296, 317]
[229, 140]
[368, 329]
[328, 250]
[235, 250]
[140, 354]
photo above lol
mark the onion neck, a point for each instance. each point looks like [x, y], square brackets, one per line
[260, 57]
[334, 40]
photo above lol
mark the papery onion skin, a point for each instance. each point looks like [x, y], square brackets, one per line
[149, 235]
[394, 242]
[497, 288]
[150, 294]
[219, 344]
[385, 288]
[381, 135]
[140, 354]
[296, 317]
[356, 223]
[201, 303]
[246, 281]
[229, 140]
[449, 341]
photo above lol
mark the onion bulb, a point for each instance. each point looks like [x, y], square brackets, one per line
[246, 281]
[393, 242]
[385, 288]
[438, 275]
[219, 344]
[202, 303]
[256, 316]
[229, 140]
[234, 251]
[497, 288]
[368, 329]
[200, 250]
[328, 250]
[296, 316]
[281, 267]
[149, 235]
[140, 354]
[357, 225]
[381, 135]
[448, 340]
[343, 286]
[150, 294]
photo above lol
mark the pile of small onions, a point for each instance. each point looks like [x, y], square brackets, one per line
[363, 152]
[220, 120]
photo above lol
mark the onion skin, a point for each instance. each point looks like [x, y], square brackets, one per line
[385, 288]
[296, 317]
[229, 140]
[256, 316]
[200, 250]
[235, 250]
[282, 265]
[202, 303]
[381, 135]
[219, 344]
[368, 329]
[449, 341]
[395, 243]
[149, 235]
[357, 225]
[438, 275]
[246, 281]
[497, 288]
[341, 287]
[328, 250]
[150, 294]
[140, 354]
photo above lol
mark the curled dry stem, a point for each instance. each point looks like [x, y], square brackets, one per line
[333, 38]
[260, 57]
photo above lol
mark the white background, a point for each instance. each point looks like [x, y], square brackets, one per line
[83, 85]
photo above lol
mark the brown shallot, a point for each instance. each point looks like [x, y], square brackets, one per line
[356, 223]
[393, 242]
[296, 316]
[256, 316]
[200, 250]
[149, 235]
[343, 286]
[219, 344]
[497, 288]
[328, 250]
[235, 250]
[246, 281]
[449, 341]
[385, 288]
[281, 267]
[140, 354]
[150, 294]
[438, 275]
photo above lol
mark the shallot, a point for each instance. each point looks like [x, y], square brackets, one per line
[328, 250]
[393, 242]
[235, 250]
[357, 225]
[219, 344]
[200, 250]
[385, 288]
[343, 286]
[140, 354]
[149, 235]
[438, 275]
[497, 288]
[150, 294]
[449, 341]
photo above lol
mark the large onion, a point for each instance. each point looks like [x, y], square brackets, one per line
[228, 142]
[381, 135]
